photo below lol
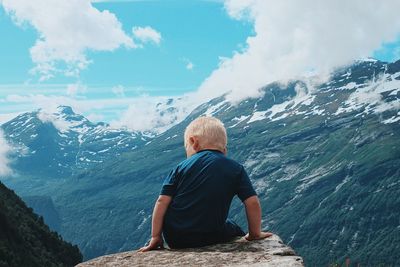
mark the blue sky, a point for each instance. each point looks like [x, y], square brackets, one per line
[192, 31]
[202, 45]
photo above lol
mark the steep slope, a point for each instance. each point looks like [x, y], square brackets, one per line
[324, 160]
[26, 241]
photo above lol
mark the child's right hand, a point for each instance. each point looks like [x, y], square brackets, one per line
[261, 235]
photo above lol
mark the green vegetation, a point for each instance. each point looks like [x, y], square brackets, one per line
[26, 241]
[328, 183]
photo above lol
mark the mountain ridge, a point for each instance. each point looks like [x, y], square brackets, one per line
[63, 141]
[316, 170]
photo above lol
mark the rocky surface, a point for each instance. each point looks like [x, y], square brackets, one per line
[268, 252]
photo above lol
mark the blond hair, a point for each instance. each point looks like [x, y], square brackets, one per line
[210, 132]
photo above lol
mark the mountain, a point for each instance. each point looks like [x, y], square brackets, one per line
[57, 144]
[26, 241]
[324, 159]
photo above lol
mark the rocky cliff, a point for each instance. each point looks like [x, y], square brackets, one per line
[268, 252]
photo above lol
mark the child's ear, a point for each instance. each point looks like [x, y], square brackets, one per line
[195, 143]
[191, 140]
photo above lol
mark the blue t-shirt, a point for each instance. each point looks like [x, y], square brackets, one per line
[202, 188]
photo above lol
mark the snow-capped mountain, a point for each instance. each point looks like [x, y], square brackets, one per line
[63, 142]
[323, 157]
[366, 87]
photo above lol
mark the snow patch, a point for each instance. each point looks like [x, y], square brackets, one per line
[371, 97]
[104, 150]
[214, 109]
[27, 121]
[345, 180]
[290, 171]
[290, 107]
[238, 120]
[392, 119]
[257, 116]
[145, 219]
[315, 176]
[260, 185]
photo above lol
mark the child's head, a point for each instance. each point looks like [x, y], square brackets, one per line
[205, 133]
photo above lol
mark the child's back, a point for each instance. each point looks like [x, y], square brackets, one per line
[202, 188]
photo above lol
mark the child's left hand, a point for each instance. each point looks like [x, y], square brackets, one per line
[155, 243]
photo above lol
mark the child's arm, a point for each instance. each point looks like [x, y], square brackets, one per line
[160, 208]
[253, 212]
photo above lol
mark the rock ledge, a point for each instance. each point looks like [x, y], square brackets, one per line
[267, 252]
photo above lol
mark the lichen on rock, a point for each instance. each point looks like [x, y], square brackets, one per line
[240, 252]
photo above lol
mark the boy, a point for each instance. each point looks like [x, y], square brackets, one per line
[194, 202]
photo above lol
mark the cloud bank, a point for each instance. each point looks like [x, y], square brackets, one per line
[67, 29]
[5, 150]
[293, 38]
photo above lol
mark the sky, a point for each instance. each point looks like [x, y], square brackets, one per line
[115, 60]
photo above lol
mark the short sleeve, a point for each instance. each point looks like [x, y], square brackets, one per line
[245, 188]
[170, 183]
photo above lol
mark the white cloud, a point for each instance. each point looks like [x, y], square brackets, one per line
[119, 91]
[146, 34]
[76, 88]
[60, 124]
[5, 150]
[5, 117]
[294, 37]
[67, 30]
[189, 65]
[155, 114]
[93, 117]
